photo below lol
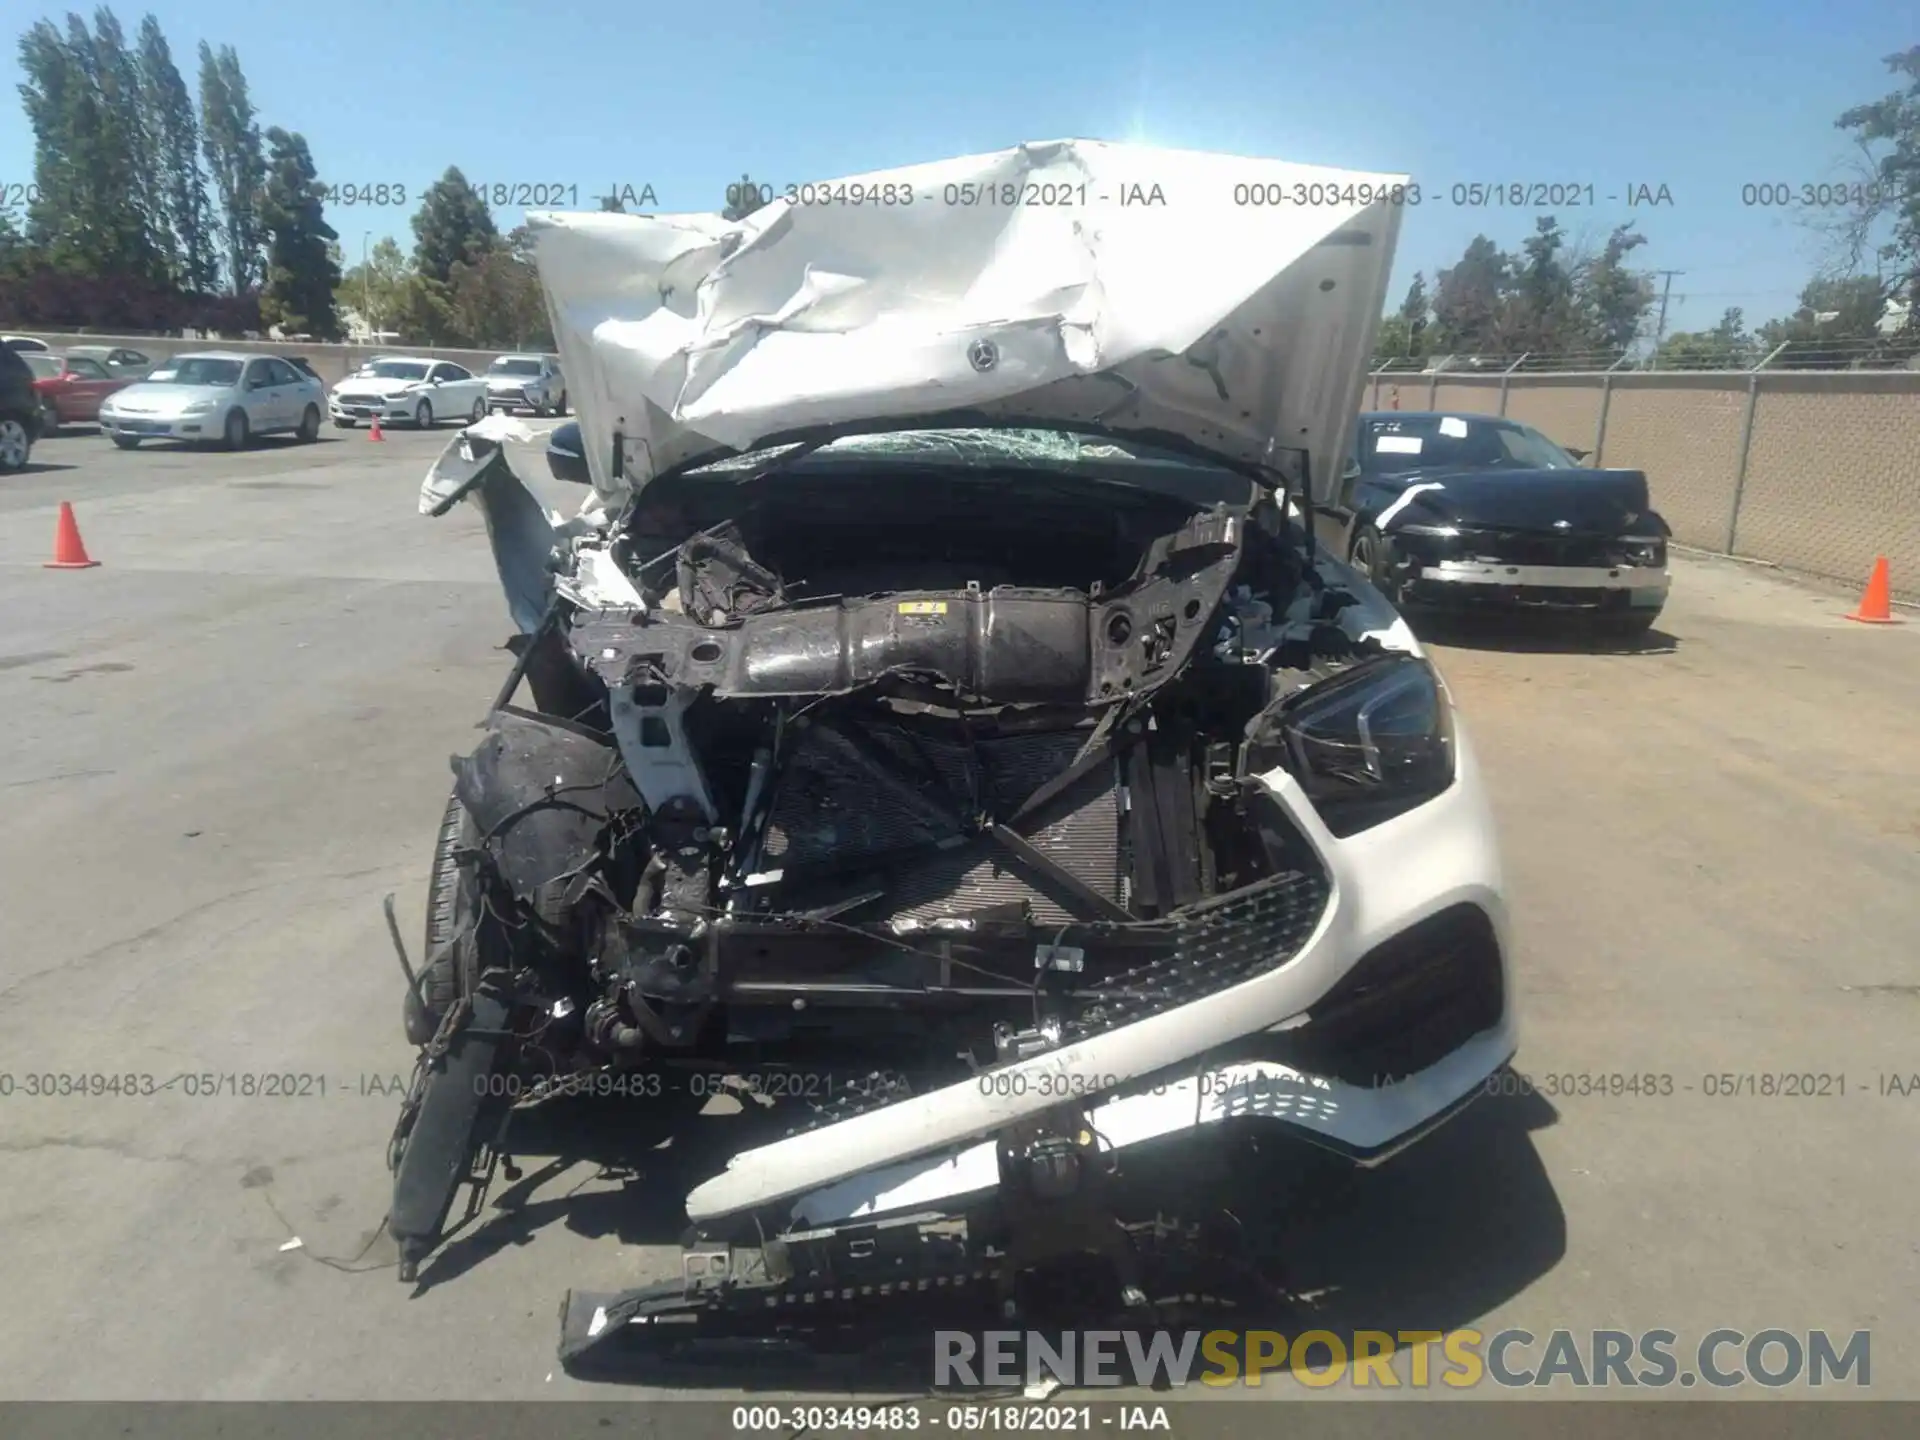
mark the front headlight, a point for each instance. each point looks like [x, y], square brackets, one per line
[1372, 743]
[196, 407]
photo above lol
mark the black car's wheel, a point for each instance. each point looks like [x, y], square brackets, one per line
[49, 419]
[423, 415]
[560, 406]
[126, 442]
[1367, 553]
[16, 444]
[309, 430]
[234, 436]
[450, 898]
[340, 424]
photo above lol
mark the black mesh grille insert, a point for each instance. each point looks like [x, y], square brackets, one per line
[1408, 1003]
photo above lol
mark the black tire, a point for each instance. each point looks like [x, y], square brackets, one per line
[234, 433]
[479, 411]
[49, 421]
[449, 894]
[1367, 553]
[16, 443]
[340, 424]
[423, 415]
[309, 430]
[560, 407]
[126, 442]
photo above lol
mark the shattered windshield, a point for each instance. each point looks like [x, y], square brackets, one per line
[1095, 456]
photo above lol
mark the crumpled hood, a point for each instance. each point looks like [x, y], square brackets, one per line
[1156, 299]
[1596, 501]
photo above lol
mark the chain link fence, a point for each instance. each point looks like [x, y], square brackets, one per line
[1816, 469]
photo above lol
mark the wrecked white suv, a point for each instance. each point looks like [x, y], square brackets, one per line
[940, 703]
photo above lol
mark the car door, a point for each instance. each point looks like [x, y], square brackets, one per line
[87, 385]
[262, 399]
[460, 386]
[292, 388]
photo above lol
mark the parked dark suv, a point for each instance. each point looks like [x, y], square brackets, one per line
[19, 412]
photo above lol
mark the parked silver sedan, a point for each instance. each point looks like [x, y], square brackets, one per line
[216, 395]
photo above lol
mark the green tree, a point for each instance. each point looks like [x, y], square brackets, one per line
[1836, 322]
[744, 197]
[1542, 312]
[230, 137]
[1613, 299]
[174, 138]
[302, 272]
[373, 289]
[1469, 300]
[1725, 347]
[497, 300]
[91, 215]
[1887, 131]
[451, 227]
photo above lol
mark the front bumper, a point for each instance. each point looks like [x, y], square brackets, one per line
[1574, 587]
[1275, 1047]
[161, 427]
[399, 407]
[516, 399]
[1464, 569]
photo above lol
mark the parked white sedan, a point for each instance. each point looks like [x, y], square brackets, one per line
[215, 395]
[416, 389]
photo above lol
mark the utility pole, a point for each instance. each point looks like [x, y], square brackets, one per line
[1660, 327]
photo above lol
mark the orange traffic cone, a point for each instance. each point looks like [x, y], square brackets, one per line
[68, 552]
[1876, 601]
[374, 434]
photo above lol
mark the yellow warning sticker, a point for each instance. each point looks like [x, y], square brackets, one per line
[923, 607]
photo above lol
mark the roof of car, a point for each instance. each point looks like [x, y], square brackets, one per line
[93, 349]
[410, 359]
[217, 355]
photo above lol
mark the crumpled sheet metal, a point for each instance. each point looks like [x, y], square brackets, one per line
[1242, 327]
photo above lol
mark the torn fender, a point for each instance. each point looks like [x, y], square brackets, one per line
[528, 540]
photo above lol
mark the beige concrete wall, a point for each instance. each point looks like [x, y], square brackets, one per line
[1832, 469]
[333, 362]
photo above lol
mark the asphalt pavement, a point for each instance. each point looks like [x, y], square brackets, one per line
[230, 740]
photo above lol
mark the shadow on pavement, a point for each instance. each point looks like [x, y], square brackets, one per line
[1537, 633]
[1430, 1241]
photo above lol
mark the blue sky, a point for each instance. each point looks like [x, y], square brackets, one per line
[1698, 95]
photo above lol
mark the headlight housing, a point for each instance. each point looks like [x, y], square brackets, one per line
[196, 407]
[1371, 743]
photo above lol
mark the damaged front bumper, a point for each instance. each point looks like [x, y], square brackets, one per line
[1449, 566]
[1427, 879]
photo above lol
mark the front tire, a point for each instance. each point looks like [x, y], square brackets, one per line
[309, 430]
[1628, 625]
[125, 442]
[234, 434]
[423, 415]
[560, 408]
[49, 421]
[479, 411]
[16, 445]
[450, 901]
[1367, 553]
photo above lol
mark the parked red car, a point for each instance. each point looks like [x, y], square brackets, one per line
[71, 387]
